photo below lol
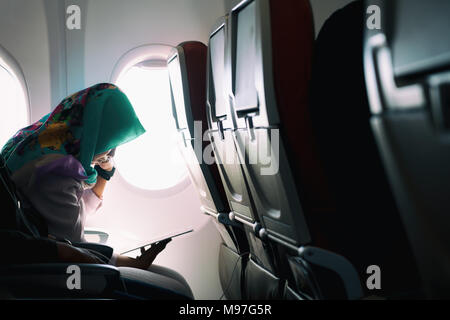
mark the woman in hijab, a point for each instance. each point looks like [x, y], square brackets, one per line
[51, 163]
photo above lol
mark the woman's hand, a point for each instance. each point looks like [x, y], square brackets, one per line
[107, 165]
[148, 256]
[105, 160]
[145, 260]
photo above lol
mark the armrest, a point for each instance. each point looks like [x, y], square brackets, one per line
[338, 264]
[102, 235]
[50, 281]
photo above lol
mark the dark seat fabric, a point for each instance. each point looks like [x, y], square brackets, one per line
[292, 50]
[292, 39]
[366, 227]
[16, 229]
[156, 283]
[407, 64]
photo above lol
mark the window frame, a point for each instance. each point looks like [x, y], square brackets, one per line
[12, 66]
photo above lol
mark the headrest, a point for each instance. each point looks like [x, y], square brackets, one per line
[195, 54]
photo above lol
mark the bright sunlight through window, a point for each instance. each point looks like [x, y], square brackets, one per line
[13, 106]
[152, 161]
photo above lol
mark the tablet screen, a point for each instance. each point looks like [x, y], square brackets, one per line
[161, 238]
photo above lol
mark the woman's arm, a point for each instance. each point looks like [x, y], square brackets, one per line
[99, 187]
[18, 248]
[71, 254]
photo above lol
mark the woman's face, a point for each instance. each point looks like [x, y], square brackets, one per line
[101, 157]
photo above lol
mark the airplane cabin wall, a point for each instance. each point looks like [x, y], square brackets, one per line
[23, 33]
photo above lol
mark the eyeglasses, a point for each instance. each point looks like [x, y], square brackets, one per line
[104, 159]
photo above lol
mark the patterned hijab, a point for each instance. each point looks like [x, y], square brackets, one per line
[87, 123]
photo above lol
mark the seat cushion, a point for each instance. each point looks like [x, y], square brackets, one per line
[161, 282]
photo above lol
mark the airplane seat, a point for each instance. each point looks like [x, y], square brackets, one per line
[187, 70]
[271, 51]
[366, 226]
[291, 68]
[220, 132]
[407, 73]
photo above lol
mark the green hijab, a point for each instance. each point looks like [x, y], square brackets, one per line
[85, 124]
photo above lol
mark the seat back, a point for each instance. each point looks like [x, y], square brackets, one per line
[366, 227]
[265, 281]
[407, 70]
[271, 55]
[269, 71]
[187, 71]
[221, 128]
[187, 74]
[271, 49]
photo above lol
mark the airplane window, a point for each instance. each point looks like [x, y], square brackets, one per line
[152, 161]
[14, 105]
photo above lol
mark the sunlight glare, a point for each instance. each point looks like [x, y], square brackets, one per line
[13, 105]
[151, 161]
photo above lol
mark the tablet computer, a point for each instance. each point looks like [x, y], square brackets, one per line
[159, 239]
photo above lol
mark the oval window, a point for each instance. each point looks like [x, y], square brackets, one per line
[152, 161]
[14, 105]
